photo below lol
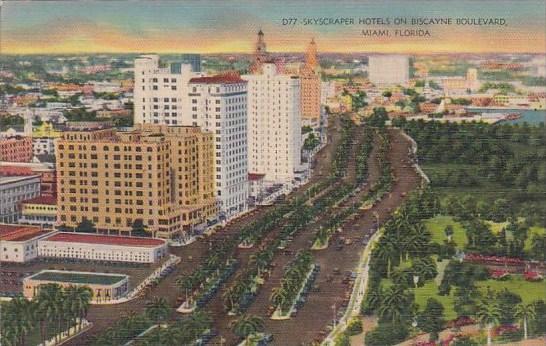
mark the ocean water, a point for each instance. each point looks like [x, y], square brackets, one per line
[532, 117]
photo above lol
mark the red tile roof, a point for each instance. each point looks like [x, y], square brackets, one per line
[219, 79]
[49, 200]
[255, 176]
[105, 239]
[20, 232]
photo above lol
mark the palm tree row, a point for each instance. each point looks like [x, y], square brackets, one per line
[182, 332]
[240, 295]
[199, 286]
[295, 275]
[362, 158]
[52, 311]
[340, 162]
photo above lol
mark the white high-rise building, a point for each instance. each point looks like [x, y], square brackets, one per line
[160, 92]
[175, 95]
[274, 125]
[388, 69]
[218, 104]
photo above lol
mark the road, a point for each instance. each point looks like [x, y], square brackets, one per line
[192, 255]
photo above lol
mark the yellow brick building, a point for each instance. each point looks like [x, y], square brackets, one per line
[115, 178]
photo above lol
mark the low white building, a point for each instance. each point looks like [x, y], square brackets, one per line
[95, 247]
[13, 190]
[19, 244]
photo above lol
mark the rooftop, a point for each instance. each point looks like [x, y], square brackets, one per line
[14, 179]
[20, 232]
[77, 277]
[49, 200]
[105, 239]
[219, 79]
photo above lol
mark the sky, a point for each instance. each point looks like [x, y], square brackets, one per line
[216, 26]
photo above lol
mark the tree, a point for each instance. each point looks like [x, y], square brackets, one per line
[158, 310]
[431, 320]
[378, 117]
[525, 312]
[394, 303]
[423, 269]
[247, 325]
[448, 231]
[488, 314]
[86, 226]
[49, 300]
[139, 229]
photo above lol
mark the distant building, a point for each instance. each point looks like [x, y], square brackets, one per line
[104, 287]
[46, 171]
[388, 69]
[194, 60]
[39, 211]
[274, 124]
[310, 86]
[13, 190]
[18, 243]
[16, 149]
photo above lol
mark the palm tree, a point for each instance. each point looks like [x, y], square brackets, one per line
[385, 251]
[423, 268]
[279, 298]
[230, 297]
[393, 303]
[488, 313]
[186, 284]
[49, 305]
[23, 317]
[525, 312]
[158, 309]
[247, 325]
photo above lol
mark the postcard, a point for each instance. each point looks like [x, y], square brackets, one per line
[254, 172]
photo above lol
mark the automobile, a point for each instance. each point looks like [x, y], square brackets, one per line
[336, 271]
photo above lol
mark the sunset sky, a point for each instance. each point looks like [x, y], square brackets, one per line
[210, 26]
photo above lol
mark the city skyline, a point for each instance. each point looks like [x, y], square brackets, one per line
[32, 27]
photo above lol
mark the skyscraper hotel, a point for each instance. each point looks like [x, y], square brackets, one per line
[115, 178]
[310, 87]
[218, 105]
[176, 96]
[160, 92]
[274, 121]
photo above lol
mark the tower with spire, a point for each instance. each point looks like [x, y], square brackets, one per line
[310, 85]
[260, 53]
[311, 61]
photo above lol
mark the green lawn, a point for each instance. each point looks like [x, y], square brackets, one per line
[436, 226]
[529, 291]
[430, 290]
[532, 231]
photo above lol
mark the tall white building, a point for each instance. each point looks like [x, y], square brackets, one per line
[388, 69]
[274, 125]
[175, 95]
[160, 92]
[218, 104]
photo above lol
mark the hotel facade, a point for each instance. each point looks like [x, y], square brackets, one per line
[115, 178]
[274, 124]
